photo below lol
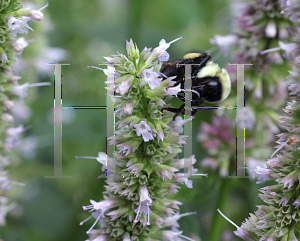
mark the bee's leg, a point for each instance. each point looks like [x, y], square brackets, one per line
[194, 111]
[175, 110]
[181, 98]
[194, 103]
[179, 110]
[192, 91]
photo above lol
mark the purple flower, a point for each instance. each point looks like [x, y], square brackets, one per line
[143, 129]
[212, 136]
[160, 51]
[253, 164]
[126, 149]
[170, 235]
[150, 77]
[13, 136]
[5, 182]
[174, 90]
[290, 48]
[263, 173]
[183, 177]
[143, 205]
[102, 158]
[172, 221]
[297, 202]
[4, 57]
[21, 90]
[128, 108]
[249, 119]
[98, 209]
[290, 179]
[19, 25]
[243, 234]
[123, 87]
[224, 42]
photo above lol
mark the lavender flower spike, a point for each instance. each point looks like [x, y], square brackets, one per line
[13, 21]
[147, 142]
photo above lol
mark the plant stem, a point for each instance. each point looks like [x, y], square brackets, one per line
[134, 19]
[217, 222]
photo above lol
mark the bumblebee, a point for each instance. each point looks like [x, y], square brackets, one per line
[210, 83]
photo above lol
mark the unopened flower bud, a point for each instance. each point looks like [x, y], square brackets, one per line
[22, 41]
[271, 30]
[8, 118]
[4, 57]
[16, 47]
[8, 104]
[37, 15]
[14, 79]
[128, 108]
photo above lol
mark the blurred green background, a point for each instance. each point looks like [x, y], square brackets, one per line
[51, 209]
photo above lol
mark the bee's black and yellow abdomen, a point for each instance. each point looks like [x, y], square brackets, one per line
[209, 82]
[211, 90]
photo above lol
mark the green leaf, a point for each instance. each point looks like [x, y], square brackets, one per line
[148, 169]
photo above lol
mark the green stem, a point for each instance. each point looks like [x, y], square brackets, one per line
[134, 19]
[218, 221]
